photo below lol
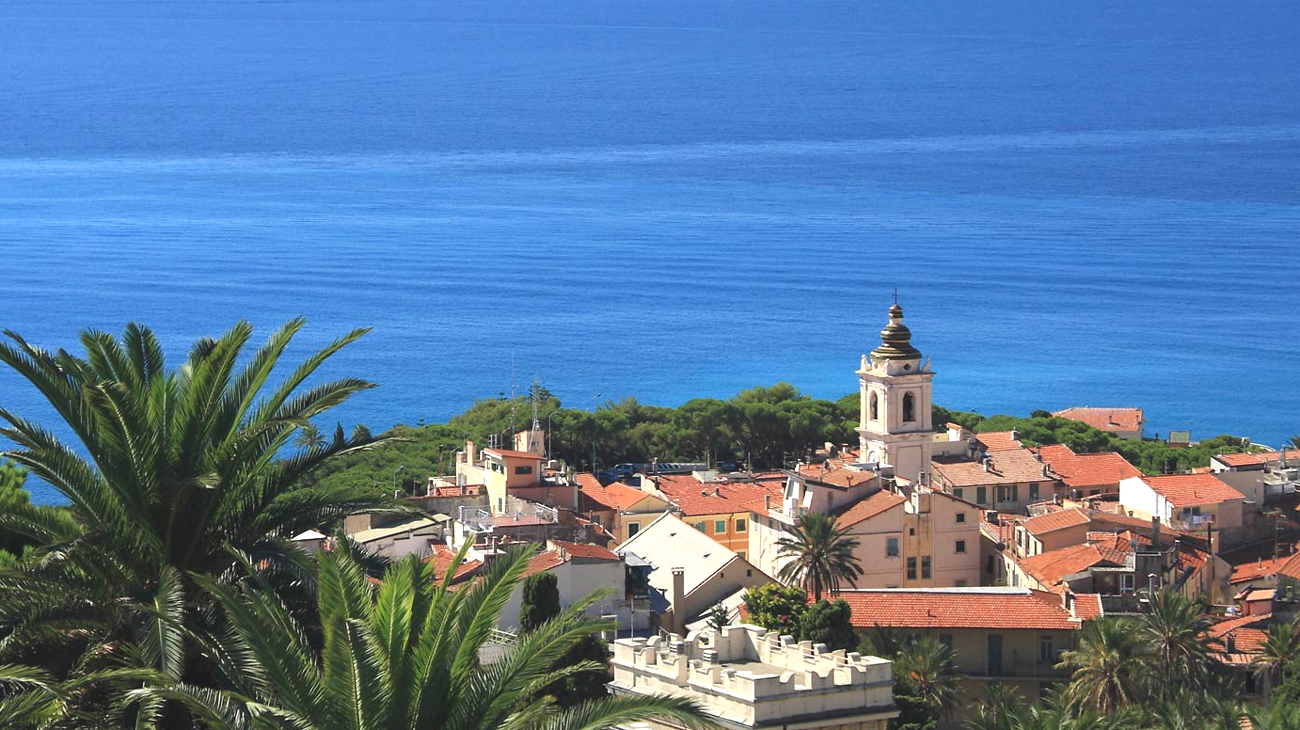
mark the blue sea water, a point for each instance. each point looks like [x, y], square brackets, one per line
[1081, 203]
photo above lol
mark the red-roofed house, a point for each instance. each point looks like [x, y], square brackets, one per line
[1007, 481]
[1126, 423]
[1088, 474]
[1288, 582]
[717, 507]
[1052, 531]
[502, 469]
[1183, 501]
[1237, 643]
[1011, 635]
[1258, 461]
[623, 510]
[580, 569]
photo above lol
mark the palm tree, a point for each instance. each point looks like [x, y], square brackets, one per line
[923, 669]
[1280, 649]
[405, 656]
[170, 466]
[821, 555]
[1293, 442]
[1175, 629]
[1109, 666]
[309, 437]
[1280, 716]
[999, 710]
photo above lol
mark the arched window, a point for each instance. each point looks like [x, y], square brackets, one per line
[909, 408]
[873, 408]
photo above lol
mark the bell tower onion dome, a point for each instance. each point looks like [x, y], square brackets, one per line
[895, 339]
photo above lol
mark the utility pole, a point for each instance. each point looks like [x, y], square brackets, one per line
[595, 404]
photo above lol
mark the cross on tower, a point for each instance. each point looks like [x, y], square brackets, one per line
[895, 295]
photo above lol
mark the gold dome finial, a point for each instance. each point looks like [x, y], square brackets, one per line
[895, 338]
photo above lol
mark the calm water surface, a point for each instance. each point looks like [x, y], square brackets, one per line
[1095, 205]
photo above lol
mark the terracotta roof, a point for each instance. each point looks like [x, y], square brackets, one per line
[1052, 567]
[615, 496]
[974, 608]
[1087, 470]
[1006, 467]
[1258, 569]
[590, 552]
[1185, 490]
[835, 475]
[470, 490]
[1290, 568]
[998, 441]
[514, 454]
[1105, 419]
[1248, 634]
[1053, 521]
[441, 560]
[1087, 606]
[544, 561]
[865, 509]
[712, 498]
[1256, 459]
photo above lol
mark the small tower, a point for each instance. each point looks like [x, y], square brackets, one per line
[895, 426]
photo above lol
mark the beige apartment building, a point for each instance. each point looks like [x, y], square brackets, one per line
[747, 677]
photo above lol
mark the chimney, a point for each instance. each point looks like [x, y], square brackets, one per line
[678, 598]
[462, 490]
[988, 460]
[1047, 472]
[471, 452]
[717, 491]
[1155, 532]
[767, 502]
[1015, 435]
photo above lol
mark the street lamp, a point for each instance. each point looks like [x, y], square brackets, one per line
[396, 471]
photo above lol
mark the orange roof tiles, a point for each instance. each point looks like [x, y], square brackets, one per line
[1053, 521]
[974, 608]
[1053, 566]
[441, 561]
[1248, 634]
[998, 441]
[470, 490]
[697, 498]
[1256, 459]
[1185, 490]
[865, 509]
[544, 561]
[1087, 470]
[1087, 606]
[836, 475]
[1257, 570]
[578, 550]
[613, 496]
[1290, 568]
[1105, 419]
[1006, 467]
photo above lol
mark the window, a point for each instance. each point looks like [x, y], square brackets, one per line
[633, 528]
[957, 493]
[909, 408]
[961, 518]
[523, 470]
[1046, 652]
[1126, 583]
[988, 565]
[961, 583]
[501, 504]
[719, 527]
[911, 568]
[911, 531]
[1015, 492]
[982, 495]
[1033, 492]
[925, 567]
[891, 547]
[740, 524]
[699, 526]
[873, 408]
[961, 546]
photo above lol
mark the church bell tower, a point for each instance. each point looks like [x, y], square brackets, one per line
[895, 427]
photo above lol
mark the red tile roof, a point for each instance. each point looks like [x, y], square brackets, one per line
[470, 490]
[1258, 569]
[1185, 490]
[1105, 419]
[697, 498]
[1079, 471]
[836, 474]
[998, 441]
[614, 497]
[441, 561]
[544, 561]
[1256, 459]
[1053, 566]
[1053, 521]
[1087, 606]
[1006, 467]
[865, 509]
[974, 608]
[1248, 636]
[590, 552]
[1290, 568]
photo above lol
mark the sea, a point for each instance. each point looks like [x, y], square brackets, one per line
[1087, 203]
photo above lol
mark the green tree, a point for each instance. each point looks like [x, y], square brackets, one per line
[404, 656]
[776, 607]
[820, 555]
[540, 601]
[1175, 627]
[182, 463]
[923, 683]
[830, 624]
[1109, 666]
[309, 437]
[1280, 651]
[719, 617]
